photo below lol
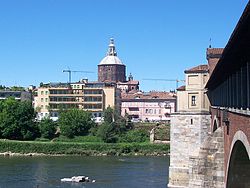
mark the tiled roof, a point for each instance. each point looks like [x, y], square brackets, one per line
[182, 88]
[198, 69]
[215, 51]
[149, 95]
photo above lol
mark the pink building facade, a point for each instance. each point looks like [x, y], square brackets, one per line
[150, 106]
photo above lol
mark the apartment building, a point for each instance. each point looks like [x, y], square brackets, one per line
[94, 97]
[148, 106]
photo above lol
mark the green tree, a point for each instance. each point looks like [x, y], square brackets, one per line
[17, 120]
[2, 87]
[108, 132]
[75, 122]
[108, 115]
[17, 88]
[47, 128]
[113, 126]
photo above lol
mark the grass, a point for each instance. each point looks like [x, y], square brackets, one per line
[78, 139]
[86, 148]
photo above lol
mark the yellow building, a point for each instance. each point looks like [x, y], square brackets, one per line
[192, 97]
[94, 97]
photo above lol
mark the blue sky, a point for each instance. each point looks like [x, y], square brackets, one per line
[154, 38]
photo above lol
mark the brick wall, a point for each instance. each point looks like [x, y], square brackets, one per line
[236, 122]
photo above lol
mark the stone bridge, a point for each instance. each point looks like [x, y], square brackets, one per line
[216, 154]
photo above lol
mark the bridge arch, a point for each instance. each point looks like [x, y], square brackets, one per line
[238, 166]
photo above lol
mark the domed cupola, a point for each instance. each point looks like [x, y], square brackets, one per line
[111, 68]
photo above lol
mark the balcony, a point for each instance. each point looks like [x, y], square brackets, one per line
[65, 102]
[91, 102]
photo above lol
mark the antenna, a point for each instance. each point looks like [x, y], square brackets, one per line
[210, 43]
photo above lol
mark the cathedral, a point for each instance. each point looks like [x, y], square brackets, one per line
[111, 68]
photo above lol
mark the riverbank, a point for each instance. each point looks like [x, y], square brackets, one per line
[35, 148]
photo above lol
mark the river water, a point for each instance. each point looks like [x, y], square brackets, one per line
[109, 172]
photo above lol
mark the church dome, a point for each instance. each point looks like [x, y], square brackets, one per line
[111, 58]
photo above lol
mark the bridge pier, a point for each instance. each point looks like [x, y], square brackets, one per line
[188, 132]
[196, 155]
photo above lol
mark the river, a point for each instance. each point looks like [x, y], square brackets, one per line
[109, 172]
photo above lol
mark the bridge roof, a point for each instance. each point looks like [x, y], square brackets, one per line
[236, 52]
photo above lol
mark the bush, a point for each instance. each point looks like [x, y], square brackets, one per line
[134, 136]
[47, 128]
[162, 132]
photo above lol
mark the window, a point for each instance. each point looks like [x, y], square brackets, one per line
[41, 99]
[133, 109]
[46, 92]
[146, 111]
[42, 92]
[46, 99]
[193, 101]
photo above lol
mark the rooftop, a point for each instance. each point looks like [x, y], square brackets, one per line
[198, 69]
[132, 82]
[149, 95]
[182, 88]
[214, 51]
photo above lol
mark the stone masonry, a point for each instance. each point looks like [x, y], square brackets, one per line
[196, 155]
[207, 169]
[188, 132]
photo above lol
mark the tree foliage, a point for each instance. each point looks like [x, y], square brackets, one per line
[75, 122]
[113, 126]
[17, 120]
[134, 136]
[108, 132]
[109, 115]
[47, 128]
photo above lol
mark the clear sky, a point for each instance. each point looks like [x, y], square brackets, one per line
[154, 38]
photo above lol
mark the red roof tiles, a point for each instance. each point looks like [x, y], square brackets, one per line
[198, 69]
[215, 51]
[149, 95]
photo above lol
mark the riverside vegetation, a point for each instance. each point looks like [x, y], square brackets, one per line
[75, 133]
